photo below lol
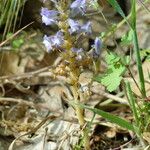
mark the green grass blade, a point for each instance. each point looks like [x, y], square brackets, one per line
[132, 103]
[116, 6]
[112, 118]
[9, 11]
[137, 49]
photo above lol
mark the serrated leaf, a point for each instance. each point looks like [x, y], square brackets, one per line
[111, 81]
[127, 38]
[111, 58]
[125, 60]
[145, 53]
[113, 76]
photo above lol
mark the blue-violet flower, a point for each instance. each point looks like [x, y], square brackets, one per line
[79, 53]
[53, 41]
[75, 27]
[48, 43]
[87, 28]
[49, 17]
[78, 7]
[77, 50]
[97, 47]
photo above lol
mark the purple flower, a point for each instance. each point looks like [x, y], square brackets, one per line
[49, 17]
[79, 53]
[58, 39]
[48, 43]
[75, 27]
[77, 50]
[78, 7]
[86, 28]
[53, 41]
[97, 47]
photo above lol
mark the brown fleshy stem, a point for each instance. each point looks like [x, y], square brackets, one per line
[73, 75]
[80, 116]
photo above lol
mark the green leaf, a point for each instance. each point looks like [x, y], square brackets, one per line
[17, 43]
[148, 74]
[125, 60]
[132, 103]
[145, 53]
[111, 58]
[127, 38]
[112, 118]
[113, 76]
[9, 35]
[116, 6]
[111, 81]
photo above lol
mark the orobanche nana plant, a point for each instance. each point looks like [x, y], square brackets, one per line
[75, 58]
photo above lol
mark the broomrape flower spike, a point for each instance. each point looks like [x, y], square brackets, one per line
[78, 7]
[65, 39]
[49, 17]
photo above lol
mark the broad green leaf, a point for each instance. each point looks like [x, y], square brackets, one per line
[113, 76]
[111, 81]
[17, 43]
[111, 58]
[112, 118]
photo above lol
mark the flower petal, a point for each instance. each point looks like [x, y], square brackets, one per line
[48, 43]
[49, 17]
[58, 39]
[74, 26]
[77, 50]
[87, 28]
[78, 7]
[97, 46]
